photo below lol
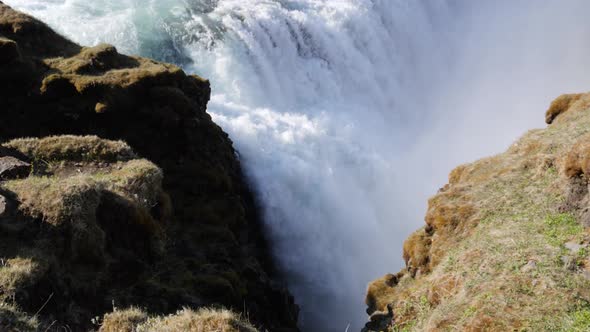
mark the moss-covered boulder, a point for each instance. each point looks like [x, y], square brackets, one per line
[77, 233]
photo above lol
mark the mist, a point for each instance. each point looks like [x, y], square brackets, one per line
[511, 59]
[347, 115]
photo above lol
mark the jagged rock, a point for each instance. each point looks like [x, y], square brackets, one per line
[12, 168]
[380, 321]
[574, 247]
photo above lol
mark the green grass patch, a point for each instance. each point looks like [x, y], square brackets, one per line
[578, 320]
[561, 227]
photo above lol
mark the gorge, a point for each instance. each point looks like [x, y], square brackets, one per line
[347, 115]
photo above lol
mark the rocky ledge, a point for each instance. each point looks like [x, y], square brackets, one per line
[506, 242]
[127, 198]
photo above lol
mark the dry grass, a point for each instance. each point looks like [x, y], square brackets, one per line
[123, 320]
[497, 257]
[16, 273]
[100, 69]
[57, 200]
[577, 161]
[380, 290]
[138, 180]
[560, 105]
[73, 193]
[451, 215]
[455, 175]
[12, 319]
[73, 148]
[417, 250]
[186, 320]
[93, 208]
[86, 201]
[71, 202]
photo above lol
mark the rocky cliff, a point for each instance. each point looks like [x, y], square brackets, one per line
[506, 243]
[127, 195]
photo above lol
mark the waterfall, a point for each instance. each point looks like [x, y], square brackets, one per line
[348, 114]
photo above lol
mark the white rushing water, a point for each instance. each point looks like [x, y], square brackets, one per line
[348, 114]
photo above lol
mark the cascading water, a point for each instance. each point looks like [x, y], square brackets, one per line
[348, 113]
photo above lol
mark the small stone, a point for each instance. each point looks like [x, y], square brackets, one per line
[12, 168]
[574, 247]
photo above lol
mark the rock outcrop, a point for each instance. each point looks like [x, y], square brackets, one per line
[11, 168]
[505, 243]
[87, 223]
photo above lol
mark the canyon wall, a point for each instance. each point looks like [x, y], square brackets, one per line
[128, 195]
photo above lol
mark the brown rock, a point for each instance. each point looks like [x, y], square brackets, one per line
[12, 168]
[380, 320]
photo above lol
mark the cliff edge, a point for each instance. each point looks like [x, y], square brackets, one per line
[506, 241]
[118, 194]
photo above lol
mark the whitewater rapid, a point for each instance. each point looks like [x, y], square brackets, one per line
[348, 114]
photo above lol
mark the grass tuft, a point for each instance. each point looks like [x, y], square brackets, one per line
[73, 148]
[186, 320]
[560, 105]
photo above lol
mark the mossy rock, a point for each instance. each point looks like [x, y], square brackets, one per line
[91, 112]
